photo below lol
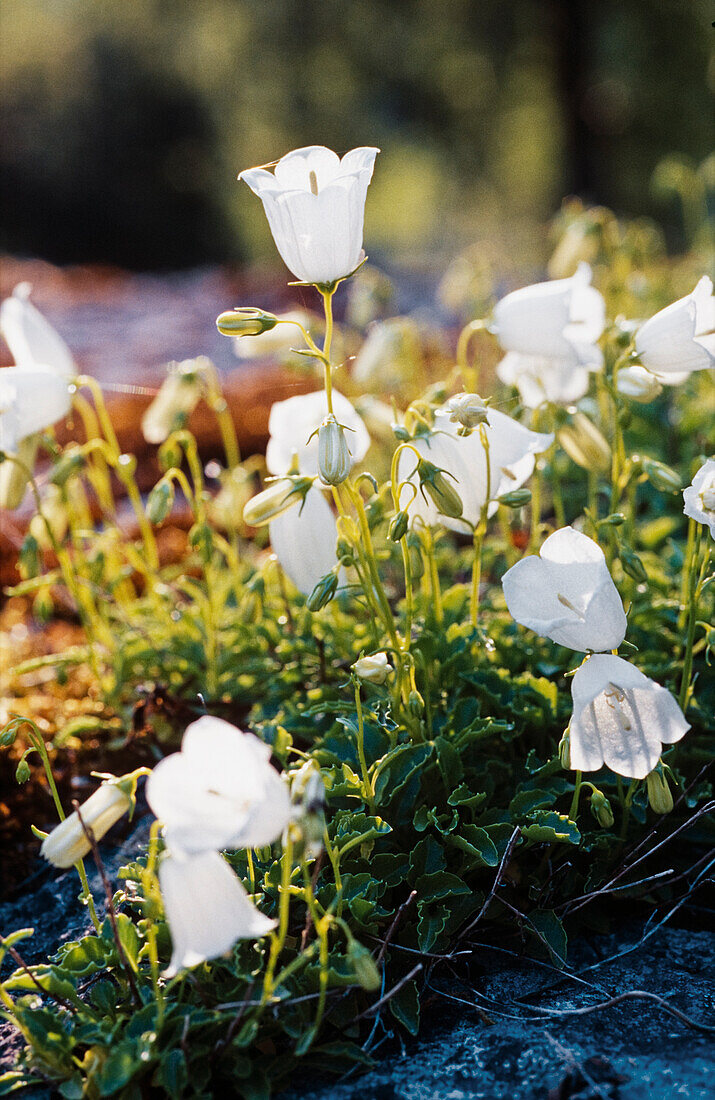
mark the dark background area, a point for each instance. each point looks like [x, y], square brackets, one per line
[123, 126]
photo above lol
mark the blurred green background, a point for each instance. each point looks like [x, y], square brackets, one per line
[124, 124]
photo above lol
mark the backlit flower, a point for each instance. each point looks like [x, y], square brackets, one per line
[32, 340]
[68, 843]
[561, 319]
[206, 907]
[621, 718]
[540, 379]
[315, 205]
[291, 425]
[680, 339]
[220, 791]
[304, 540]
[638, 383]
[31, 399]
[510, 462]
[699, 497]
[567, 594]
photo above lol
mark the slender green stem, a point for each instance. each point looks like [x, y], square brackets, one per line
[469, 373]
[278, 938]
[478, 540]
[327, 296]
[219, 406]
[367, 783]
[576, 795]
[627, 808]
[152, 893]
[695, 581]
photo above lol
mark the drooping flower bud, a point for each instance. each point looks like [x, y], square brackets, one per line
[632, 564]
[585, 444]
[323, 592]
[565, 750]
[517, 498]
[373, 669]
[434, 483]
[638, 384]
[333, 452]
[161, 501]
[177, 398]
[363, 965]
[601, 809]
[280, 495]
[68, 843]
[662, 477]
[467, 409]
[245, 321]
[660, 798]
[398, 526]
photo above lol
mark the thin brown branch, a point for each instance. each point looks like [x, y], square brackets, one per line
[391, 930]
[390, 994]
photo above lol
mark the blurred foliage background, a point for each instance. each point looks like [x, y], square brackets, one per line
[124, 125]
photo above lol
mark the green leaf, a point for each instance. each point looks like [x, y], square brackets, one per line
[172, 1075]
[552, 828]
[477, 844]
[525, 802]
[405, 1007]
[551, 933]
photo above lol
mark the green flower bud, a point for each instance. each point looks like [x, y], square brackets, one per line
[363, 966]
[601, 809]
[660, 798]
[400, 433]
[517, 498]
[323, 592]
[632, 564]
[415, 703]
[585, 444]
[68, 464]
[616, 519]
[22, 772]
[444, 496]
[398, 526]
[416, 560]
[565, 750]
[275, 500]
[161, 501]
[245, 321]
[662, 477]
[201, 539]
[333, 452]
[8, 735]
[29, 561]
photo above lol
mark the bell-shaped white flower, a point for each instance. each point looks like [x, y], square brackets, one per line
[315, 205]
[699, 497]
[373, 669]
[68, 843]
[567, 594]
[206, 907]
[561, 319]
[510, 463]
[32, 340]
[621, 718]
[303, 539]
[31, 399]
[540, 379]
[638, 383]
[291, 425]
[680, 339]
[220, 791]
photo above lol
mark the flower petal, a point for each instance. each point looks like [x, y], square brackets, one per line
[304, 541]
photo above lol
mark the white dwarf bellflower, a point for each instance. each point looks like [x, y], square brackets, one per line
[699, 497]
[621, 718]
[509, 462]
[31, 399]
[540, 379]
[206, 907]
[638, 383]
[567, 594]
[561, 319]
[680, 339]
[220, 791]
[303, 539]
[32, 340]
[68, 843]
[315, 206]
[291, 425]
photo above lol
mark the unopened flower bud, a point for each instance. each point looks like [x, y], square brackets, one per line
[67, 465]
[245, 321]
[160, 502]
[638, 384]
[434, 482]
[28, 560]
[662, 477]
[517, 498]
[565, 750]
[632, 564]
[22, 771]
[373, 669]
[585, 444]
[333, 452]
[417, 562]
[275, 500]
[307, 793]
[363, 965]
[323, 592]
[616, 519]
[400, 433]
[415, 703]
[601, 809]
[467, 409]
[398, 526]
[177, 398]
[660, 798]
[68, 843]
